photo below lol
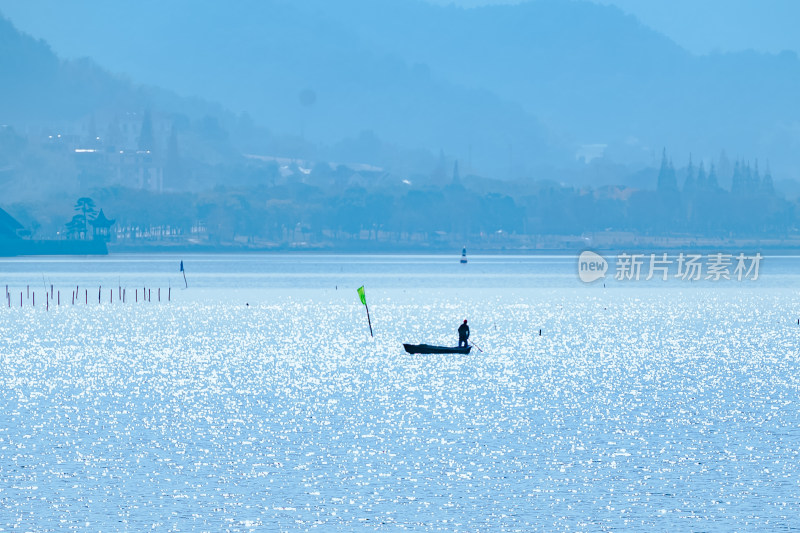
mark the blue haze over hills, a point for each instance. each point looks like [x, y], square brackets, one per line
[571, 93]
[706, 26]
[545, 77]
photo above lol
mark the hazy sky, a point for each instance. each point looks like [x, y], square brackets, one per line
[704, 26]
[701, 26]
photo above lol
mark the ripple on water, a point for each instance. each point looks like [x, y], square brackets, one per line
[633, 409]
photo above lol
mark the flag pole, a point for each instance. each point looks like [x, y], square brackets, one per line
[363, 297]
[184, 275]
[369, 321]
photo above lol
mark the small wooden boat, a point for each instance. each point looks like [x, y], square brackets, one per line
[427, 348]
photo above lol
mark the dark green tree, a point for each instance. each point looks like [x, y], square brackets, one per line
[702, 179]
[690, 184]
[738, 183]
[75, 227]
[86, 213]
[712, 182]
[667, 182]
[767, 186]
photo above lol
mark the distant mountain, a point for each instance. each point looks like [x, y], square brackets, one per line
[40, 88]
[596, 73]
[37, 85]
[500, 87]
[62, 121]
[260, 57]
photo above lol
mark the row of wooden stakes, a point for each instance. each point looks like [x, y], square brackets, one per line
[55, 296]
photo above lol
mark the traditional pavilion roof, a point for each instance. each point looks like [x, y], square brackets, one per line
[101, 221]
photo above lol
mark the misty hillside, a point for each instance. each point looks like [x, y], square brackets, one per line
[501, 86]
[38, 86]
[596, 74]
[62, 120]
[185, 170]
[42, 90]
[282, 53]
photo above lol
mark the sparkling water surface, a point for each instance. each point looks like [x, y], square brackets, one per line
[256, 400]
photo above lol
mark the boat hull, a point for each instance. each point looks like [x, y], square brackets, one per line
[429, 349]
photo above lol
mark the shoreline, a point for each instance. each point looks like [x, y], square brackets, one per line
[656, 246]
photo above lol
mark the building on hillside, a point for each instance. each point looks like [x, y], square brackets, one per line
[139, 169]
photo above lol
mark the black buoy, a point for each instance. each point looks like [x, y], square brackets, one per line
[540, 333]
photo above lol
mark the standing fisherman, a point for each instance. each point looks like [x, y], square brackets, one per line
[463, 334]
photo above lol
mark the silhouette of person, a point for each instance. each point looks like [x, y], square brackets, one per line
[463, 334]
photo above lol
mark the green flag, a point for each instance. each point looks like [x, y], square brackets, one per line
[362, 295]
[364, 301]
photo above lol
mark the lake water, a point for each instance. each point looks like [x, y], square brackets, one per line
[256, 400]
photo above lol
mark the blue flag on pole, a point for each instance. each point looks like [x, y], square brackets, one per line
[184, 276]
